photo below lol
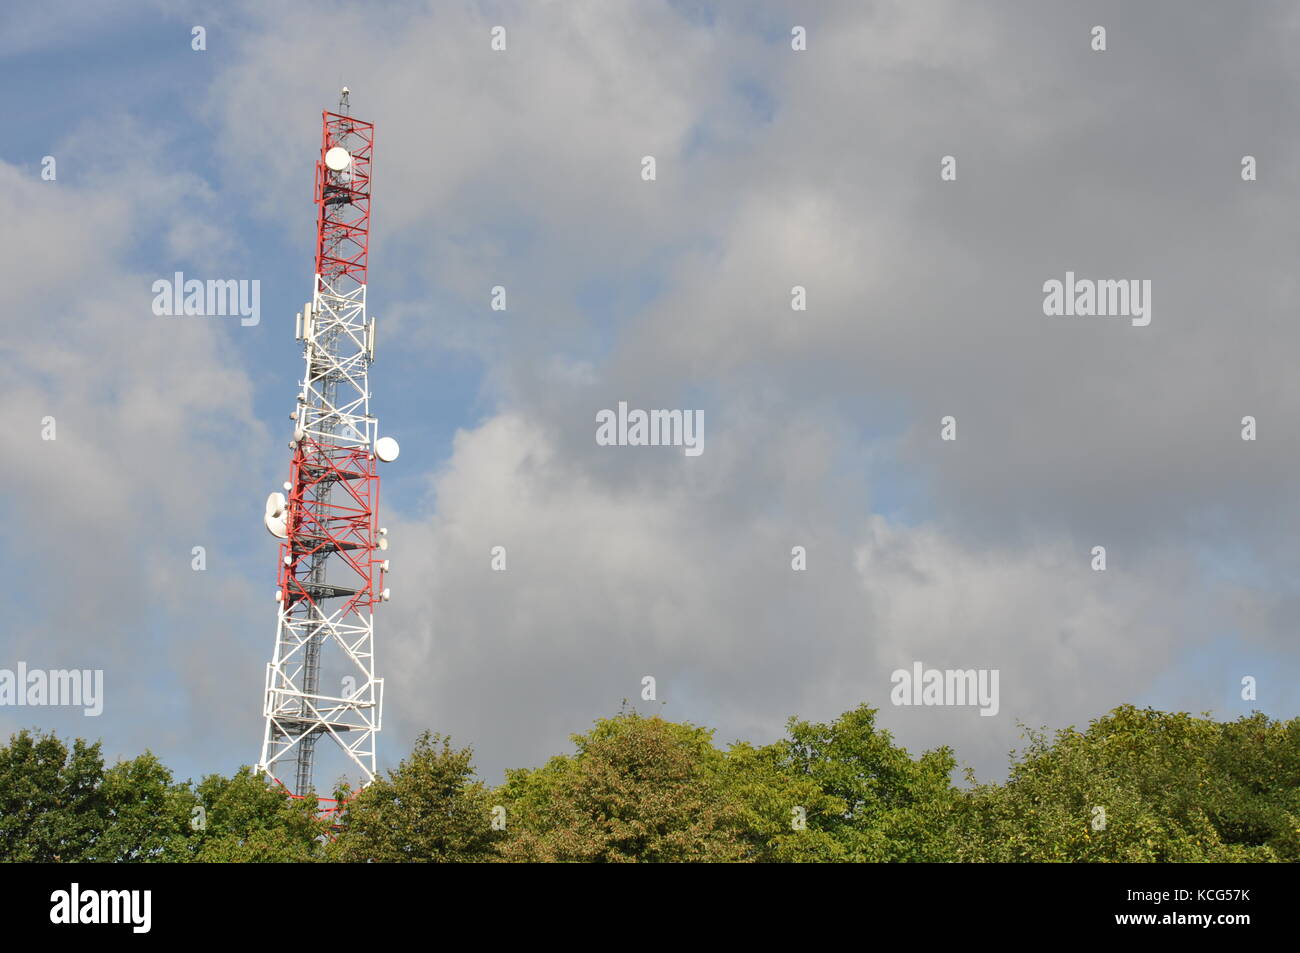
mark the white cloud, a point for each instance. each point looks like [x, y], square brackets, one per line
[153, 416]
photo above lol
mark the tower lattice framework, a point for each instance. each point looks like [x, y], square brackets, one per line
[321, 683]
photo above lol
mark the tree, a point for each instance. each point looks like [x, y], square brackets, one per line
[247, 820]
[783, 815]
[60, 804]
[145, 815]
[1255, 797]
[50, 804]
[429, 809]
[637, 790]
[888, 806]
[1137, 785]
[1144, 786]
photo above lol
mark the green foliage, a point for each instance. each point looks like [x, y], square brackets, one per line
[1253, 795]
[1172, 788]
[430, 809]
[637, 790]
[145, 815]
[51, 808]
[767, 795]
[61, 805]
[865, 798]
[248, 820]
[1169, 787]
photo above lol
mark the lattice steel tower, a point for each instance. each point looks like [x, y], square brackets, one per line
[321, 679]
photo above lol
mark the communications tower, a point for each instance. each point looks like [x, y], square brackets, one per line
[320, 683]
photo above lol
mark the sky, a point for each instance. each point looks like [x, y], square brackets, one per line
[775, 167]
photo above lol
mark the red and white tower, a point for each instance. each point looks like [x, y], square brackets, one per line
[321, 680]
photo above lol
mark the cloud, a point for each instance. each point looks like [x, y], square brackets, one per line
[822, 170]
[149, 414]
[607, 582]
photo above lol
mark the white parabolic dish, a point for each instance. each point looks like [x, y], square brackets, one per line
[386, 449]
[338, 159]
[276, 516]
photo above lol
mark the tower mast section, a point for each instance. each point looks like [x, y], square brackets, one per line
[321, 682]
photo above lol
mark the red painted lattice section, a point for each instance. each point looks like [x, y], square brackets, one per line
[345, 524]
[343, 201]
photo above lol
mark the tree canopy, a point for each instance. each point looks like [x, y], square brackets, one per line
[1135, 785]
